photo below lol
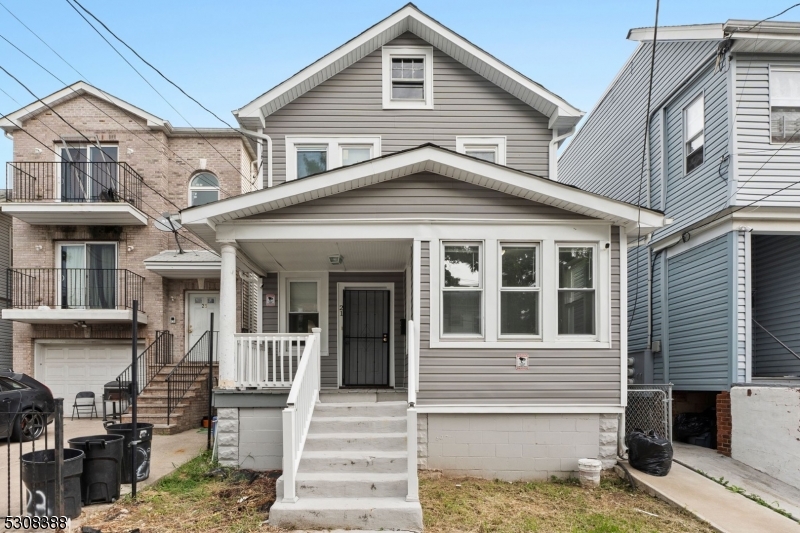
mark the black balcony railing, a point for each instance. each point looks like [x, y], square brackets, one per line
[64, 181]
[74, 288]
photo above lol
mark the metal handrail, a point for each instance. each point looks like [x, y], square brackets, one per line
[73, 288]
[149, 363]
[66, 181]
[181, 378]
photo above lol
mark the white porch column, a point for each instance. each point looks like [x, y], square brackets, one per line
[226, 346]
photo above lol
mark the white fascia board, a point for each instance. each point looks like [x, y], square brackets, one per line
[690, 32]
[14, 120]
[335, 62]
[414, 161]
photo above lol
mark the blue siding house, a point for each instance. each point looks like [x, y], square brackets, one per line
[713, 297]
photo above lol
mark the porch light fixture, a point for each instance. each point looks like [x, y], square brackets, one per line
[336, 259]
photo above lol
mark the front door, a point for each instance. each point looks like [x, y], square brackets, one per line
[201, 305]
[365, 338]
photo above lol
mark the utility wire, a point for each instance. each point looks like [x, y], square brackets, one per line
[644, 155]
[250, 178]
[770, 18]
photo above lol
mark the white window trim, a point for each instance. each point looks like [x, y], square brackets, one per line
[390, 52]
[595, 289]
[771, 102]
[537, 288]
[333, 144]
[482, 287]
[470, 142]
[321, 278]
[203, 188]
[598, 235]
[78, 145]
[702, 98]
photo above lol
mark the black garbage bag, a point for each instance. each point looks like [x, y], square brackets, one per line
[688, 425]
[649, 453]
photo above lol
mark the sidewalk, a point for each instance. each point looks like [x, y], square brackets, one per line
[773, 491]
[724, 510]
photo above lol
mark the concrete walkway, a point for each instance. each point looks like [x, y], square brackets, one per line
[724, 510]
[773, 491]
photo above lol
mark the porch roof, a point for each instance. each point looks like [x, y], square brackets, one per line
[203, 220]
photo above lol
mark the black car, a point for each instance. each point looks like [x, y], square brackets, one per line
[26, 407]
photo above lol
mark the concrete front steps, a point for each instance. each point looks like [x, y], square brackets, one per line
[353, 469]
[188, 414]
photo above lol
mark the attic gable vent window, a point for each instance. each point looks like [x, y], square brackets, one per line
[407, 77]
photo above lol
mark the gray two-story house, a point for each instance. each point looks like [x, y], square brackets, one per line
[714, 296]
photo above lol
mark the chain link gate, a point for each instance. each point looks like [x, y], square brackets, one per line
[649, 409]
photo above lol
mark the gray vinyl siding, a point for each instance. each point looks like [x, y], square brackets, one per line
[269, 315]
[488, 376]
[656, 167]
[637, 298]
[330, 376]
[5, 263]
[465, 103]
[425, 295]
[605, 155]
[657, 302]
[763, 169]
[699, 316]
[420, 195]
[776, 303]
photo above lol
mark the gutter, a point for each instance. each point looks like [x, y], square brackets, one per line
[553, 151]
[260, 137]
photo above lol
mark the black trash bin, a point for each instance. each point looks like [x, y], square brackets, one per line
[144, 434]
[39, 476]
[102, 467]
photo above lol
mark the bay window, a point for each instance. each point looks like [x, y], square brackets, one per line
[576, 290]
[519, 290]
[462, 290]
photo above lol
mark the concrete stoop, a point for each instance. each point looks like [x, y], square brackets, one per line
[352, 472]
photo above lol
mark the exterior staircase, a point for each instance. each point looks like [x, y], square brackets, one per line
[353, 468]
[189, 412]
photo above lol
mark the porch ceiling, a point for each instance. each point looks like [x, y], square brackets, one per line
[312, 256]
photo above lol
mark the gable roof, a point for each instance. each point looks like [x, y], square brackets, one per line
[13, 121]
[203, 219]
[410, 19]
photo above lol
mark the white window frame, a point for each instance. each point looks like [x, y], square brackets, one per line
[87, 148]
[333, 144]
[595, 289]
[321, 279]
[772, 102]
[702, 99]
[482, 288]
[483, 143]
[57, 263]
[191, 188]
[536, 288]
[413, 52]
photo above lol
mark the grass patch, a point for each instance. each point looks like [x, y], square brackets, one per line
[477, 505]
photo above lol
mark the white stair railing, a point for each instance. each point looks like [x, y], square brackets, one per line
[411, 421]
[299, 408]
[267, 360]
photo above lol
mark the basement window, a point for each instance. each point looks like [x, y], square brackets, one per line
[407, 77]
[784, 99]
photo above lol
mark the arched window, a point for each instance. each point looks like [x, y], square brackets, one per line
[203, 189]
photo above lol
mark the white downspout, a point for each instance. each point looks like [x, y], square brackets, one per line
[553, 153]
[261, 136]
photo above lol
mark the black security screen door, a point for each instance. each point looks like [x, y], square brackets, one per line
[365, 337]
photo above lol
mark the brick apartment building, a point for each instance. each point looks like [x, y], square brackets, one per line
[90, 177]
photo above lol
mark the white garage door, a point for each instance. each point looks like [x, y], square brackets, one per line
[71, 368]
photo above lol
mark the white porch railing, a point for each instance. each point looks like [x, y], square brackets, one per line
[411, 422]
[299, 409]
[267, 360]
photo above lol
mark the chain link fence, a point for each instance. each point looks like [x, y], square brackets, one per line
[649, 409]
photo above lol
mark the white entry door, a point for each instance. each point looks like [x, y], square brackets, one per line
[71, 368]
[201, 305]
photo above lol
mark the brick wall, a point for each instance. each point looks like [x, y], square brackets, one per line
[166, 162]
[724, 423]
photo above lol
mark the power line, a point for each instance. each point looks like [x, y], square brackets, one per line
[772, 17]
[251, 179]
[644, 156]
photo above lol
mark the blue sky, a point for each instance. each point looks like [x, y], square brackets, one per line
[227, 53]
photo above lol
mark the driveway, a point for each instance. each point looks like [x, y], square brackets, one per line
[168, 452]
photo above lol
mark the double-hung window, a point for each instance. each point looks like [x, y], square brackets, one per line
[307, 156]
[303, 306]
[694, 133]
[491, 149]
[576, 290]
[462, 289]
[407, 77]
[784, 99]
[519, 290]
